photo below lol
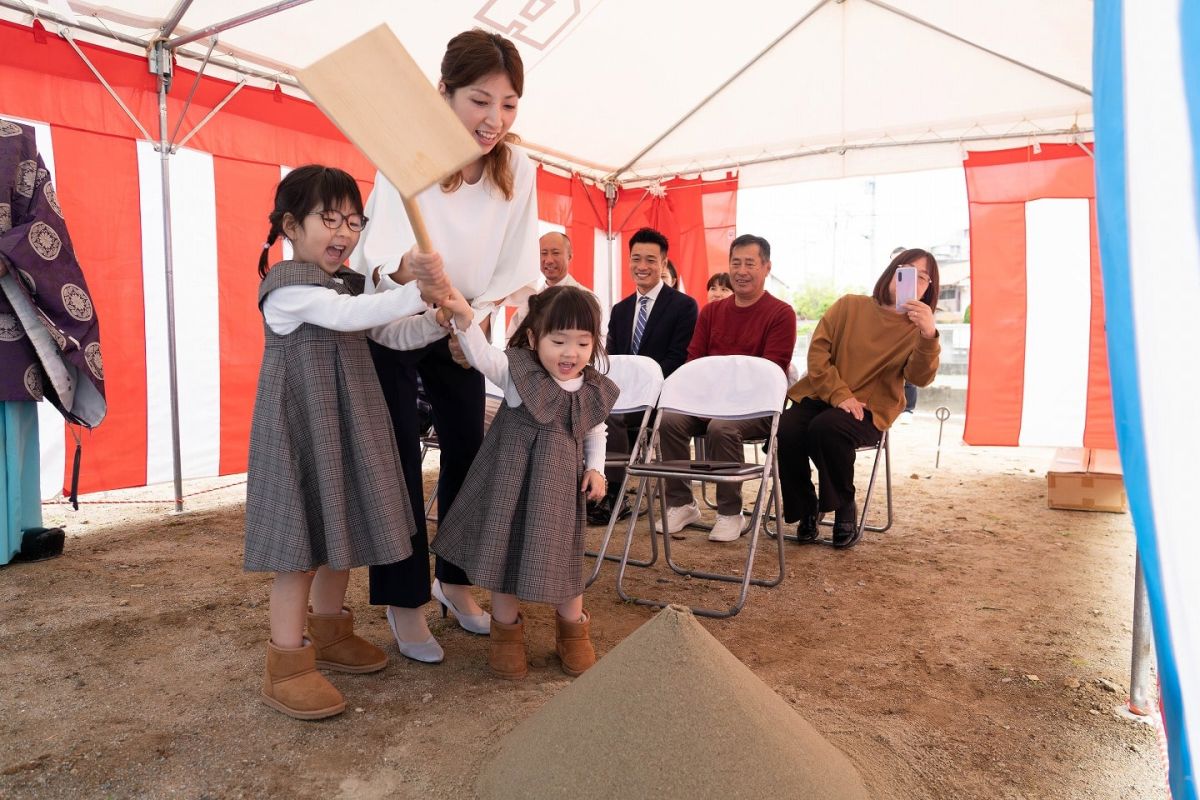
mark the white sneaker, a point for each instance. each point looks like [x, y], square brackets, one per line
[727, 528]
[679, 517]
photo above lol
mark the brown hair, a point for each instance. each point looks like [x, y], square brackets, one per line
[883, 286]
[304, 189]
[472, 55]
[561, 308]
[720, 279]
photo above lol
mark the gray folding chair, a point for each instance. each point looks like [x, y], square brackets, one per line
[882, 451]
[430, 442]
[640, 380]
[749, 388]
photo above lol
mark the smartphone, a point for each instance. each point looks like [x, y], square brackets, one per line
[906, 286]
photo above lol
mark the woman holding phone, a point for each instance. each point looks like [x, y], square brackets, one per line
[862, 351]
[483, 223]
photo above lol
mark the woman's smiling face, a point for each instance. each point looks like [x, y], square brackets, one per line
[487, 108]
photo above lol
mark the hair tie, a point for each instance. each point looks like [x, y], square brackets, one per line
[266, 245]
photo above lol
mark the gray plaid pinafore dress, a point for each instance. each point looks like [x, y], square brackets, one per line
[517, 525]
[324, 483]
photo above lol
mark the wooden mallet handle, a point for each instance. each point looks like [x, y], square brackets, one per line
[418, 225]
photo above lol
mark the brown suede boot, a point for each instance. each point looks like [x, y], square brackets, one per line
[339, 648]
[293, 686]
[573, 641]
[506, 653]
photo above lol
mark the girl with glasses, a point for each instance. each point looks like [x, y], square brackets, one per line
[321, 490]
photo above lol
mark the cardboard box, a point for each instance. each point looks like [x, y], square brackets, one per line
[1083, 479]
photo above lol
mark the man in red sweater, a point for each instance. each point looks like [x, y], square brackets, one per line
[750, 323]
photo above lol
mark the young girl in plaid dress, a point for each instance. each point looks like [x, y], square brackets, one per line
[517, 527]
[324, 491]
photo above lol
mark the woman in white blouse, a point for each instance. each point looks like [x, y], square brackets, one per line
[483, 222]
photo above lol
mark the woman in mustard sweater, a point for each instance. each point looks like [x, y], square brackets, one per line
[862, 352]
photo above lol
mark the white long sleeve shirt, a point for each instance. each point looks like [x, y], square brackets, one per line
[493, 363]
[489, 245]
[388, 317]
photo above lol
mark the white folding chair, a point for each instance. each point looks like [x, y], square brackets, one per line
[793, 375]
[640, 380]
[716, 387]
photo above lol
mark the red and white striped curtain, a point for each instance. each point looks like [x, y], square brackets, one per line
[1039, 361]
[108, 179]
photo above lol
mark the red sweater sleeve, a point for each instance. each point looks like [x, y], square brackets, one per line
[780, 339]
[699, 345]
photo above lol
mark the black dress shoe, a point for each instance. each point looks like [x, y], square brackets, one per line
[807, 530]
[599, 512]
[845, 526]
[38, 544]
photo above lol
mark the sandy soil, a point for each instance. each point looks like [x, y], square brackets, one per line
[965, 653]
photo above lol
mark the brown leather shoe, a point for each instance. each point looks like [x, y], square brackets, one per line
[573, 641]
[339, 648]
[506, 652]
[293, 686]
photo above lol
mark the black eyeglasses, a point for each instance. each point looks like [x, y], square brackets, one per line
[334, 219]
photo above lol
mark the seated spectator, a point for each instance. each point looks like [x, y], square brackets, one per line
[654, 321]
[719, 287]
[751, 323]
[862, 352]
[670, 275]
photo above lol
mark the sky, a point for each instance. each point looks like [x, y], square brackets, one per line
[843, 231]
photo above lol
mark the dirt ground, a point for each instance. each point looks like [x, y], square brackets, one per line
[969, 652]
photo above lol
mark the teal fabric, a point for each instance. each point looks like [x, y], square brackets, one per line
[20, 475]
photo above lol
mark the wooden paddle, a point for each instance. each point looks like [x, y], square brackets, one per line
[379, 98]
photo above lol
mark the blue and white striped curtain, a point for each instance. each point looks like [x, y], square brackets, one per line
[1146, 64]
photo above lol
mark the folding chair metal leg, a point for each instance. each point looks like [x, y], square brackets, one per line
[608, 532]
[701, 447]
[433, 494]
[884, 449]
[767, 490]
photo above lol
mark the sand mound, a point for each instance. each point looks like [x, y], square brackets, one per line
[668, 713]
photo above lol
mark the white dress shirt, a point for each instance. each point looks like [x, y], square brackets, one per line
[388, 317]
[651, 296]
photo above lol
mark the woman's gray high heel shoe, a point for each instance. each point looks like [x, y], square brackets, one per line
[480, 623]
[427, 652]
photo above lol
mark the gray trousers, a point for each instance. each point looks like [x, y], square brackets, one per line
[723, 442]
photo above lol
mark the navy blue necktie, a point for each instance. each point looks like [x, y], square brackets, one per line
[640, 326]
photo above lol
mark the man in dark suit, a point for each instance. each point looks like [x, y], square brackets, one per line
[655, 321]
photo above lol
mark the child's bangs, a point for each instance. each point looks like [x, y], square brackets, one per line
[334, 187]
[576, 310]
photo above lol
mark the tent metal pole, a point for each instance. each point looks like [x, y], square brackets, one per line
[915, 19]
[788, 32]
[204, 121]
[841, 149]
[160, 62]
[1143, 642]
[614, 280]
[168, 27]
[249, 16]
[192, 93]
[140, 44]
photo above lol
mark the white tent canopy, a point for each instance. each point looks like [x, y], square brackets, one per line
[628, 90]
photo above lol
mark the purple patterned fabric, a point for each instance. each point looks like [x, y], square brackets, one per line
[49, 333]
